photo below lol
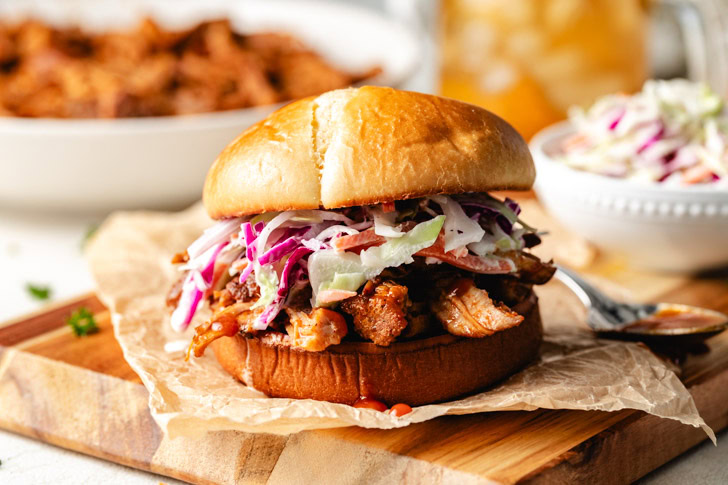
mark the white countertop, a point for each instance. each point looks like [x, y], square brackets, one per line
[43, 250]
[26, 461]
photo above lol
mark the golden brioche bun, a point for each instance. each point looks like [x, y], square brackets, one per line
[414, 372]
[364, 146]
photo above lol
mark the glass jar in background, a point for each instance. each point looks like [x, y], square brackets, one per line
[529, 60]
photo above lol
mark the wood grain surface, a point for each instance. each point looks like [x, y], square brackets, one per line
[79, 393]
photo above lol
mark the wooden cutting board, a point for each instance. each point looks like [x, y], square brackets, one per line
[78, 393]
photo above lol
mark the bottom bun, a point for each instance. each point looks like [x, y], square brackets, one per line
[415, 372]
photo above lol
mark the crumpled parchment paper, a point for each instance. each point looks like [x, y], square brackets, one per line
[129, 259]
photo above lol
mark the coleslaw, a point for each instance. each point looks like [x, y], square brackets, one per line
[672, 132]
[337, 251]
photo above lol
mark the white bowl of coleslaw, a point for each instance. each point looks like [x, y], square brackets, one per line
[661, 221]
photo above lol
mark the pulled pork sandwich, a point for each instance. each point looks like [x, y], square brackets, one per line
[358, 253]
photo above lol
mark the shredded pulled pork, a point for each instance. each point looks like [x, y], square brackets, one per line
[51, 71]
[316, 330]
[402, 306]
[465, 310]
[530, 269]
[321, 258]
[307, 329]
[379, 312]
[248, 290]
[510, 291]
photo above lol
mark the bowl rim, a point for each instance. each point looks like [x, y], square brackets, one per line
[544, 161]
[17, 125]
[65, 126]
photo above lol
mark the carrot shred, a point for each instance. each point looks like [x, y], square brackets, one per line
[696, 174]
[365, 238]
[468, 262]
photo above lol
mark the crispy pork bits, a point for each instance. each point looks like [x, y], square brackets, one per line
[387, 272]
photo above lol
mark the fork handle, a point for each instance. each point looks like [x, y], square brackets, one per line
[604, 313]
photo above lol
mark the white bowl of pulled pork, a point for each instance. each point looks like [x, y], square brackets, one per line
[358, 257]
[643, 176]
[108, 105]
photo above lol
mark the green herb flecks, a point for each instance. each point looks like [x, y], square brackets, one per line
[82, 322]
[90, 231]
[39, 292]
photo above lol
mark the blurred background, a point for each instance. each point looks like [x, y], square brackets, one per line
[100, 102]
[123, 105]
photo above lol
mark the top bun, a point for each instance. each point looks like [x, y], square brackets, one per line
[365, 146]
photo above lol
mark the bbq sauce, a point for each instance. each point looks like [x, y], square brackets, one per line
[674, 331]
[370, 403]
[400, 410]
[675, 318]
[224, 326]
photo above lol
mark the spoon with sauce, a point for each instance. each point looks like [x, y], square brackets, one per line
[660, 323]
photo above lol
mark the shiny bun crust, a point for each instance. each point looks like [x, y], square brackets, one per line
[364, 146]
[416, 372]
